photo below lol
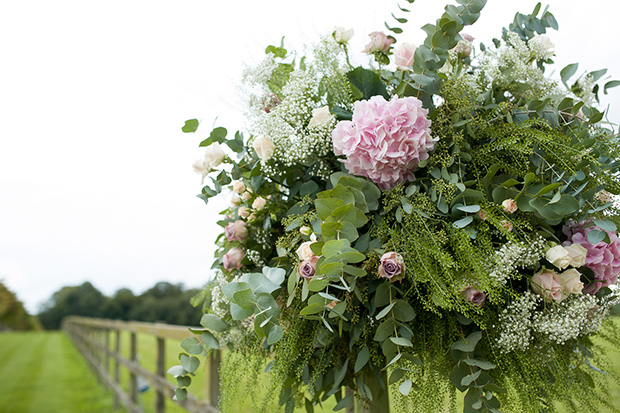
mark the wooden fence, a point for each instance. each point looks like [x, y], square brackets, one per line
[92, 337]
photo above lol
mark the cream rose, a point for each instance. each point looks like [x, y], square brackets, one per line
[200, 167]
[304, 252]
[246, 196]
[264, 148]
[259, 203]
[341, 35]
[571, 281]
[305, 230]
[558, 256]
[320, 117]
[239, 187]
[548, 285]
[214, 155]
[577, 255]
[243, 212]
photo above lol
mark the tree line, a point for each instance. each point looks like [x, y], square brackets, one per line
[165, 302]
[13, 315]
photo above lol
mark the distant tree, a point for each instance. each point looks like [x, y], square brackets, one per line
[84, 300]
[13, 315]
[120, 306]
[168, 303]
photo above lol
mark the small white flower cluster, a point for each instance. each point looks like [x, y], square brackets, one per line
[512, 256]
[512, 64]
[599, 312]
[254, 257]
[261, 73]
[219, 302]
[541, 47]
[515, 323]
[585, 88]
[566, 321]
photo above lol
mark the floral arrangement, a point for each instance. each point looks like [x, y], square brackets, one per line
[441, 221]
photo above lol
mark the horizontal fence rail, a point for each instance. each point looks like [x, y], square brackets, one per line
[91, 336]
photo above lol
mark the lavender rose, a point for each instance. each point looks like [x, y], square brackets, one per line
[474, 296]
[392, 267]
[307, 268]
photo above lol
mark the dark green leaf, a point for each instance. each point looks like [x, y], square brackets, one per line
[362, 358]
[368, 82]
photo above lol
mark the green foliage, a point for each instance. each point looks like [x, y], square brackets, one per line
[13, 315]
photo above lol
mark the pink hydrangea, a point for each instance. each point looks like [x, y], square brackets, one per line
[386, 140]
[602, 258]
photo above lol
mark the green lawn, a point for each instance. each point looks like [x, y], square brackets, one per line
[43, 372]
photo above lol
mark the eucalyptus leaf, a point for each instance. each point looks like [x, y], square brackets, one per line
[362, 358]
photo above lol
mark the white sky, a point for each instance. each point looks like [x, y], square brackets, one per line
[95, 174]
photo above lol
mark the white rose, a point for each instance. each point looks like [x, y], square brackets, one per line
[264, 148]
[571, 281]
[200, 167]
[214, 155]
[542, 41]
[246, 196]
[320, 117]
[259, 203]
[235, 200]
[577, 255]
[238, 187]
[558, 256]
[341, 35]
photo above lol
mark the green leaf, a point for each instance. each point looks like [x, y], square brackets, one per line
[210, 340]
[332, 248]
[394, 360]
[610, 84]
[244, 298]
[468, 344]
[385, 311]
[605, 225]
[344, 402]
[567, 72]
[403, 311]
[368, 82]
[384, 330]
[362, 358]
[184, 381]
[485, 365]
[463, 222]
[314, 308]
[467, 380]
[177, 371]
[405, 387]
[401, 341]
[213, 322]
[190, 125]
[325, 206]
[396, 375]
[595, 236]
[469, 208]
[275, 335]
[189, 363]
[180, 394]
[191, 345]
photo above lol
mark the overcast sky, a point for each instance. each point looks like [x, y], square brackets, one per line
[96, 181]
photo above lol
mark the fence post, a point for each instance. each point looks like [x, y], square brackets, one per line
[117, 369]
[160, 402]
[107, 351]
[214, 377]
[133, 384]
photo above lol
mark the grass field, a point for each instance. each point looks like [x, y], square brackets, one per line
[43, 372]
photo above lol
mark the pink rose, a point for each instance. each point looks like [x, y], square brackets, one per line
[548, 284]
[474, 296]
[385, 140]
[232, 259]
[236, 231]
[403, 56]
[509, 205]
[379, 42]
[307, 268]
[507, 225]
[392, 267]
